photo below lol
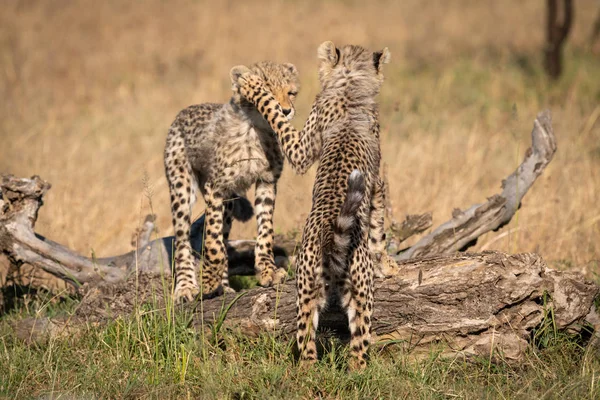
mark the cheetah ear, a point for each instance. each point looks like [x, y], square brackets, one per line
[328, 53]
[291, 67]
[238, 71]
[381, 57]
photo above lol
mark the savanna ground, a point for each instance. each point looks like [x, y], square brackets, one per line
[89, 89]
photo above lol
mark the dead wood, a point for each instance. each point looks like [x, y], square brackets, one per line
[412, 225]
[32, 260]
[465, 227]
[466, 304]
[471, 303]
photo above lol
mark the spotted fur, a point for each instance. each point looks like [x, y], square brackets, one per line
[345, 226]
[222, 149]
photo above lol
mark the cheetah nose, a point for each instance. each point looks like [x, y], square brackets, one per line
[287, 111]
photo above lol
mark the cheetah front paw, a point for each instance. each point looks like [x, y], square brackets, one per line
[271, 276]
[279, 276]
[227, 289]
[386, 266]
[185, 293]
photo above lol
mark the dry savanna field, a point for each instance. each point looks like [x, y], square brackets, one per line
[89, 90]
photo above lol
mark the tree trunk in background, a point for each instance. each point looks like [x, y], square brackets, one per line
[556, 34]
[595, 33]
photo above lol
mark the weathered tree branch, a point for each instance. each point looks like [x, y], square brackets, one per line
[33, 260]
[412, 225]
[471, 303]
[466, 226]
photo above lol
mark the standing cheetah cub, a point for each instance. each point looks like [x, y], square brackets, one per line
[222, 149]
[345, 225]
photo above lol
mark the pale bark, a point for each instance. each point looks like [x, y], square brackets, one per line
[466, 226]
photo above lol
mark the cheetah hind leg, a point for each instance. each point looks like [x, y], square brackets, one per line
[267, 272]
[214, 267]
[228, 213]
[358, 302]
[182, 201]
[309, 303]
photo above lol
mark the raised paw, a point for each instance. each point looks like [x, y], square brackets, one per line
[185, 293]
[247, 85]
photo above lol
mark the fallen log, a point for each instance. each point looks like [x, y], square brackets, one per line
[471, 304]
[475, 304]
[488, 304]
[46, 260]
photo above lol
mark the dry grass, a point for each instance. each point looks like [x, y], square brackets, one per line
[153, 354]
[89, 89]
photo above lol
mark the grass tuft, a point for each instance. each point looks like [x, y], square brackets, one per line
[156, 353]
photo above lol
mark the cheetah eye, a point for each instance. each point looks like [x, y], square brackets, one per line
[292, 93]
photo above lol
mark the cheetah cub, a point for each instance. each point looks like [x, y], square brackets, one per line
[222, 149]
[345, 226]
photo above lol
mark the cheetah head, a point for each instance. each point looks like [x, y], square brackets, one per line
[351, 63]
[281, 79]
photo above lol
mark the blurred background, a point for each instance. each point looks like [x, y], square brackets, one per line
[89, 90]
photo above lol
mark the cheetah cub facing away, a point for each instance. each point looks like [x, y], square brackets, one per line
[222, 149]
[345, 226]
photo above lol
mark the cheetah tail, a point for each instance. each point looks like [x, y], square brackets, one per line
[345, 222]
